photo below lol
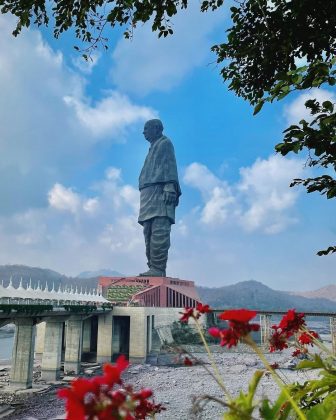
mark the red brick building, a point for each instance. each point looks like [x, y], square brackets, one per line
[164, 292]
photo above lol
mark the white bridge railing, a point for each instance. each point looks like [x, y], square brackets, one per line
[42, 295]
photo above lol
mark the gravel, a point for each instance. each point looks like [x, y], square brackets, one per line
[174, 385]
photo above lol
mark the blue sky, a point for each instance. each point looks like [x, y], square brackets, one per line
[72, 149]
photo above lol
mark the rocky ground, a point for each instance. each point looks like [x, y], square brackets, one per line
[174, 385]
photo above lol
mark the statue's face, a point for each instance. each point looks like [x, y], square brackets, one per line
[151, 132]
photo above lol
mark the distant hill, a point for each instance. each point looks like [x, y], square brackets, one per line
[106, 272]
[249, 294]
[42, 275]
[327, 292]
[255, 295]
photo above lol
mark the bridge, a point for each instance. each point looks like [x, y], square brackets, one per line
[63, 311]
[64, 326]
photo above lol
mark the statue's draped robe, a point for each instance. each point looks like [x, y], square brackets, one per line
[158, 174]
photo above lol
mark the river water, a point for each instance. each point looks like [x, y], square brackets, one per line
[6, 346]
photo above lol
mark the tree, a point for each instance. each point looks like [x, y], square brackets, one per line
[260, 57]
[263, 48]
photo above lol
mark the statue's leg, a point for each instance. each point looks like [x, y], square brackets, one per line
[160, 243]
[147, 230]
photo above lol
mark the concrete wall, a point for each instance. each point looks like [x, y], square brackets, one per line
[141, 325]
[138, 331]
[140, 340]
[104, 339]
[165, 316]
[39, 341]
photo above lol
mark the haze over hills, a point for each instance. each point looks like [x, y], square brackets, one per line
[327, 292]
[249, 294]
[42, 275]
[103, 272]
[255, 295]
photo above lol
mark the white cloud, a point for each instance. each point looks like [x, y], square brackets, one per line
[78, 231]
[113, 174]
[199, 176]
[265, 187]
[62, 198]
[91, 205]
[297, 111]
[260, 200]
[147, 63]
[86, 66]
[182, 227]
[216, 210]
[110, 116]
[50, 127]
[217, 195]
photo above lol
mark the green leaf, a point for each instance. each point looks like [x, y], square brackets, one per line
[279, 410]
[242, 407]
[331, 193]
[258, 107]
[317, 363]
[328, 105]
[329, 250]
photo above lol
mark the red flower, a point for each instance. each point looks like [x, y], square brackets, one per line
[227, 337]
[74, 406]
[278, 340]
[238, 320]
[194, 313]
[296, 352]
[238, 315]
[112, 372]
[187, 361]
[143, 394]
[189, 313]
[203, 309]
[214, 332]
[307, 337]
[291, 322]
[95, 398]
[275, 365]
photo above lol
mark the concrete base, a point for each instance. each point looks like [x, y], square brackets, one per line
[40, 335]
[87, 335]
[73, 349]
[71, 367]
[23, 355]
[35, 389]
[137, 360]
[104, 359]
[50, 375]
[104, 339]
[51, 358]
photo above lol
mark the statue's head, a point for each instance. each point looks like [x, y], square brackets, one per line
[153, 130]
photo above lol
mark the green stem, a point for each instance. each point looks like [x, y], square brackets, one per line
[213, 363]
[275, 376]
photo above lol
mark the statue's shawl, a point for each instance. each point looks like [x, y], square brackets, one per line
[160, 165]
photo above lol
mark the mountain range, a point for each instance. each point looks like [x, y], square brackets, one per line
[248, 294]
[328, 292]
[42, 275]
[255, 295]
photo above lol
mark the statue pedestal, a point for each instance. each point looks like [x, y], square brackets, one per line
[164, 292]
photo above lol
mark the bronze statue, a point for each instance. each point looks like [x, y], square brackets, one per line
[159, 195]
